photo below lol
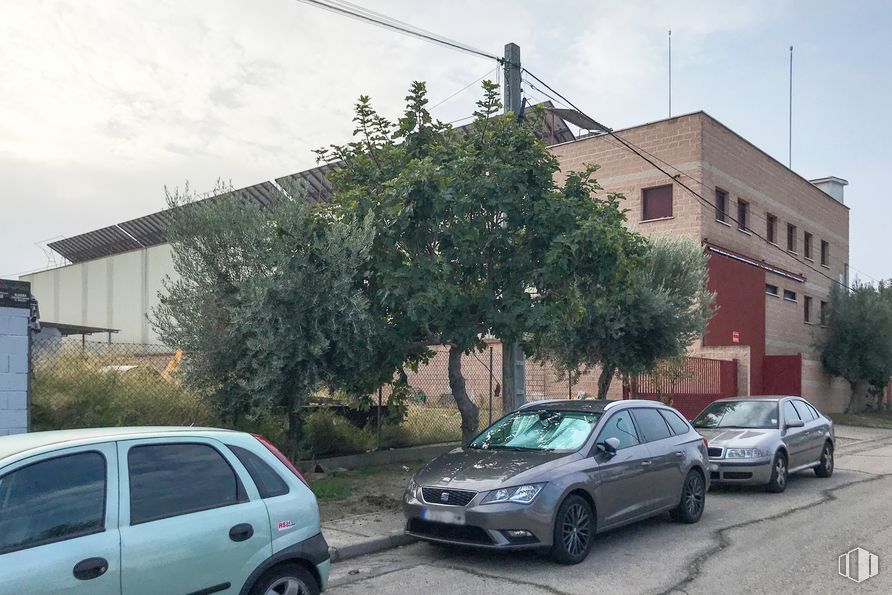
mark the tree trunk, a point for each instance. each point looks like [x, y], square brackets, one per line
[604, 380]
[858, 400]
[295, 432]
[470, 413]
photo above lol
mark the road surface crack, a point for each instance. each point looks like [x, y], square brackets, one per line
[695, 568]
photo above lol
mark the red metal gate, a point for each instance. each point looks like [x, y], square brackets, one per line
[689, 387]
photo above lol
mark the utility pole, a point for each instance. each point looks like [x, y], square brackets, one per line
[513, 360]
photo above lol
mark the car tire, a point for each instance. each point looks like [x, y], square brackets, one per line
[574, 530]
[825, 468]
[284, 576]
[693, 499]
[779, 474]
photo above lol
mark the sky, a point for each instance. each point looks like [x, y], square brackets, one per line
[104, 103]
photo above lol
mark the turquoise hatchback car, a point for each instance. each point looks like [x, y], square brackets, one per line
[133, 511]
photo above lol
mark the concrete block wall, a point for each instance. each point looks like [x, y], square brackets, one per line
[13, 370]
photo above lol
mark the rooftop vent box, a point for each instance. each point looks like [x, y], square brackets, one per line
[833, 186]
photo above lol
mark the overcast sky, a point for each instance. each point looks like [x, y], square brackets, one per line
[104, 102]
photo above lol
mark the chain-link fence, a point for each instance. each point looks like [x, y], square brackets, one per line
[77, 383]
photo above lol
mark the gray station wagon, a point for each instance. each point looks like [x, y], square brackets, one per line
[554, 473]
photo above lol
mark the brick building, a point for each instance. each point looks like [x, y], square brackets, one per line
[777, 242]
[769, 295]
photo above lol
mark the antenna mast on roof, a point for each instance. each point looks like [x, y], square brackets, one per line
[790, 138]
[670, 73]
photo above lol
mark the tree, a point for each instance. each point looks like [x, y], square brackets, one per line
[857, 344]
[264, 302]
[665, 309]
[473, 237]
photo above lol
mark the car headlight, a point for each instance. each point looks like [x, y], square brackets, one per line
[521, 494]
[744, 453]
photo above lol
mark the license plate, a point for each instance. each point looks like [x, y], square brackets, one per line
[443, 516]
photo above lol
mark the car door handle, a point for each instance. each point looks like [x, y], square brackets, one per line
[679, 453]
[241, 532]
[646, 463]
[90, 568]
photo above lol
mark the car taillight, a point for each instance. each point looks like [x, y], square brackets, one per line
[269, 445]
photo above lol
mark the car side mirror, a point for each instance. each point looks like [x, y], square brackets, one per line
[609, 446]
[795, 423]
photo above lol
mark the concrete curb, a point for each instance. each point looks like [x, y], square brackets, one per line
[373, 545]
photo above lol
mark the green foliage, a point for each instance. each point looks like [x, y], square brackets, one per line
[662, 309]
[857, 344]
[265, 302]
[75, 392]
[473, 237]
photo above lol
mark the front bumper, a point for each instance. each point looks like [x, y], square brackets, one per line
[740, 471]
[483, 525]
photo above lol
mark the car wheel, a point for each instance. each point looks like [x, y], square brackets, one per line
[778, 481]
[825, 469]
[574, 531]
[693, 499]
[286, 579]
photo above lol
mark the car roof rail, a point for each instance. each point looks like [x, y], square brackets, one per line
[632, 402]
[529, 404]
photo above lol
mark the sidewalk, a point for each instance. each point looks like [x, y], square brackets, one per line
[364, 534]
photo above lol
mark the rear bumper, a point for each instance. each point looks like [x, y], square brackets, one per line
[748, 472]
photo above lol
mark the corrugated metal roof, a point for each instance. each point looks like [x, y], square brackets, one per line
[151, 230]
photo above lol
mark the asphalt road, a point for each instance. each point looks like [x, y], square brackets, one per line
[748, 541]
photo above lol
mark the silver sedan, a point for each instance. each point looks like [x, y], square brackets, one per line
[762, 440]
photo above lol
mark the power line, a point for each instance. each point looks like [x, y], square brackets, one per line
[349, 9]
[477, 80]
[675, 178]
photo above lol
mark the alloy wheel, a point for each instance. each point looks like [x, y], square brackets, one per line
[780, 469]
[827, 458]
[694, 495]
[576, 530]
[288, 586]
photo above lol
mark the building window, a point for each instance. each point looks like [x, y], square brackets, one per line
[656, 203]
[791, 237]
[806, 245]
[743, 212]
[721, 205]
[790, 296]
[771, 229]
[806, 308]
[823, 312]
[771, 290]
[825, 253]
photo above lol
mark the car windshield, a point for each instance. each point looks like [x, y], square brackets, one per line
[738, 414]
[540, 429]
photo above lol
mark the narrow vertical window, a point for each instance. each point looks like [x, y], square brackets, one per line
[806, 245]
[771, 228]
[791, 237]
[743, 215]
[825, 253]
[721, 205]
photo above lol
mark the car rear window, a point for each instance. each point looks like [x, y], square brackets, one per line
[678, 425]
[652, 425]
[52, 500]
[268, 482]
[168, 480]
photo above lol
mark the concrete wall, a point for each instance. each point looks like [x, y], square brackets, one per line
[13, 370]
[117, 292]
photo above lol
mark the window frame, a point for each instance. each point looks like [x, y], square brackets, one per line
[788, 293]
[792, 238]
[825, 253]
[775, 293]
[721, 214]
[241, 493]
[806, 309]
[606, 419]
[52, 456]
[807, 245]
[771, 228]
[260, 485]
[743, 215]
[641, 432]
[644, 192]
[823, 312]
